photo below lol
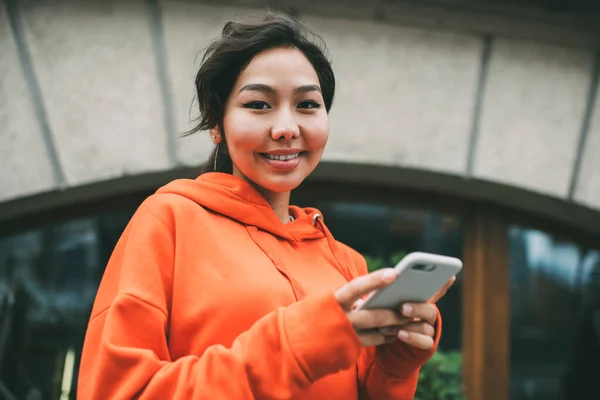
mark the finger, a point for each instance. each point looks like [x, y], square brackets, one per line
[392, 330]
[416, 327]
[357, 288]
[442, 292]
[372, 338]
[373, 319]
[417, 340]
[423, 311]
[358, 303]
[391, 338]
[422, 328]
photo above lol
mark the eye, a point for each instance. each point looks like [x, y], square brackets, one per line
[309, 104]
[257, 105]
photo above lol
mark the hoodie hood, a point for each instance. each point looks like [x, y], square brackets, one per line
[235, 198]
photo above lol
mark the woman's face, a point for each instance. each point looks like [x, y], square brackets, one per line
[275, 121]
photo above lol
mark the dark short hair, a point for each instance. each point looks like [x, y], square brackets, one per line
[228, 55]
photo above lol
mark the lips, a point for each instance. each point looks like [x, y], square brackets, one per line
[287, 159]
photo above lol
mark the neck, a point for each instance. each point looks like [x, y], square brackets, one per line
[279, 202]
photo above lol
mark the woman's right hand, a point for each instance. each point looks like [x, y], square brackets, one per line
[367, 323]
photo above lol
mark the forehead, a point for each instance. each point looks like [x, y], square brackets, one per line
[279, 66]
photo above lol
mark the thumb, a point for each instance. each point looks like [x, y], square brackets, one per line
[348, 294]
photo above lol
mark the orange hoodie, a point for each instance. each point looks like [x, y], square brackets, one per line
[208, 295]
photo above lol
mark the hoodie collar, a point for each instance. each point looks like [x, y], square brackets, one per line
[235, 198]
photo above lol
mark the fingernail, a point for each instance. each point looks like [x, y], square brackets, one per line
[407, 310]
[403, 335]
[388, 275]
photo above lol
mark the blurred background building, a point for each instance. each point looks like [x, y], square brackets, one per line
[468, 128]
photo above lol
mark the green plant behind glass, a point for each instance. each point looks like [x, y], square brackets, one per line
[440, 378]
[375, 263]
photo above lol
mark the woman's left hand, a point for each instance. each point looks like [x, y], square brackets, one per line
[420, 331]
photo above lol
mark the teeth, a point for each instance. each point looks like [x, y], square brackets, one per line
[286, 157]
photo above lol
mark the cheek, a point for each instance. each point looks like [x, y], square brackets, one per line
[243, 135]
[242, 140]
[317, 134]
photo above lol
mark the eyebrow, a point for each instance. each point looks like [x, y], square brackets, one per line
[307, 88]
[261, 87]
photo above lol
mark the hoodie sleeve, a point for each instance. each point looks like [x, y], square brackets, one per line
[126, 351]
[390, 371]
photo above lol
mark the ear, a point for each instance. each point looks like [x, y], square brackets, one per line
[215, 135]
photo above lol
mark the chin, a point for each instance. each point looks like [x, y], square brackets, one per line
[268, 180]
[280, 184]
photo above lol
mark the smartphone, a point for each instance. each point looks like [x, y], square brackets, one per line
[420, 276]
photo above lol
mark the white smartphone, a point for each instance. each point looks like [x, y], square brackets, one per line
[420, 276]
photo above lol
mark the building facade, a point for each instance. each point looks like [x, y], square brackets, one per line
[466, 128]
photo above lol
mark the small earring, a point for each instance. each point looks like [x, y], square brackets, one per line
[216, 155]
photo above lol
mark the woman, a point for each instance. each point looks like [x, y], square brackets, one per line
[218, 288]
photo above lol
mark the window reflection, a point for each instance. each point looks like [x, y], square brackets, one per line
[555, 343]
[52, 274]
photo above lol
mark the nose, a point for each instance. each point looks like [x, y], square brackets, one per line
[285, 127]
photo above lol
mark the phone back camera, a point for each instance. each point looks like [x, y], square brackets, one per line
[423, 267]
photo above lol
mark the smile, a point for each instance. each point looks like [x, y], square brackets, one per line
[280, 157]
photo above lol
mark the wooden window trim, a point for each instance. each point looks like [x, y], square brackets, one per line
[486, 307]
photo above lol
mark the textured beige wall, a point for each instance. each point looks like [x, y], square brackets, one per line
[532, 114]
[587, 189]
[24, 164]
[96, 69]
[406, 97]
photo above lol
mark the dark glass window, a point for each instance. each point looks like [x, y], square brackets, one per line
[48, 282]
[555, 317]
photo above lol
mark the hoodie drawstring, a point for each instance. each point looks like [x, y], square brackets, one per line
[277, 261]
[339, 255]
[343, 263]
